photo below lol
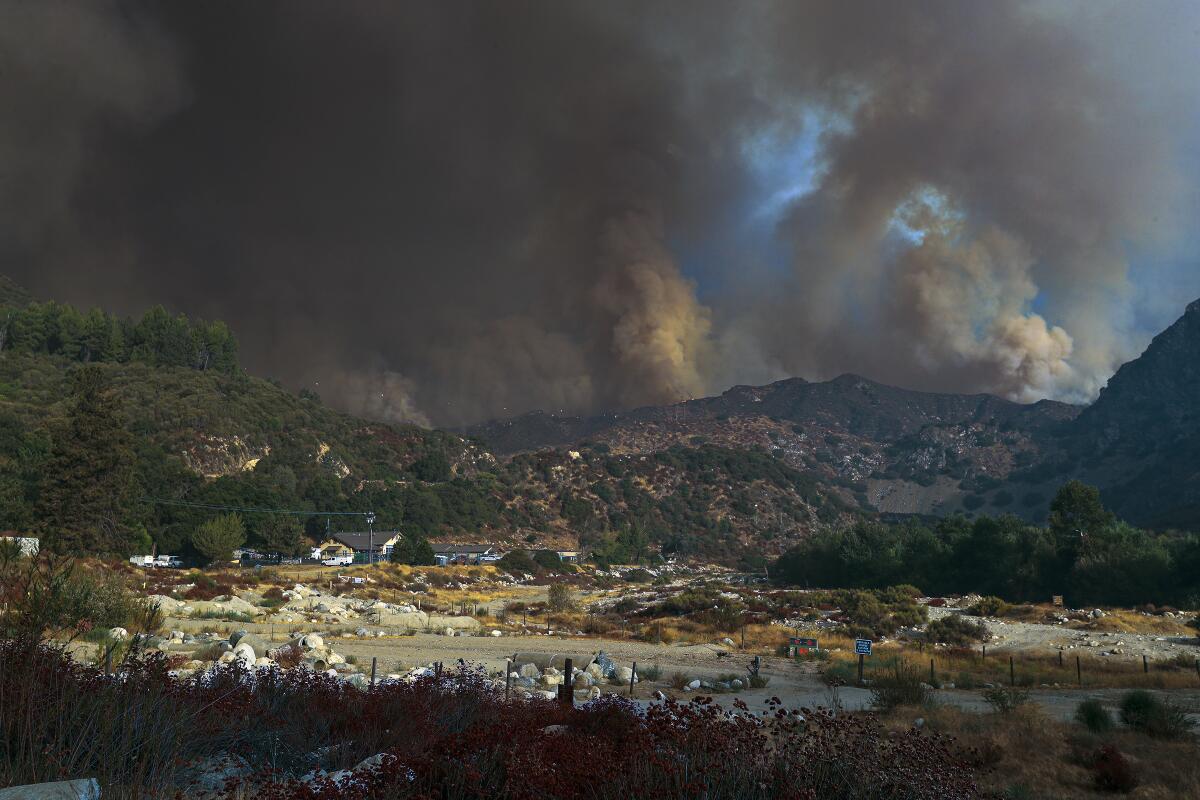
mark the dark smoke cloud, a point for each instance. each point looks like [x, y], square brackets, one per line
[442, 212]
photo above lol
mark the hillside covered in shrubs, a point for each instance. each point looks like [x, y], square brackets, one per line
[118, 436]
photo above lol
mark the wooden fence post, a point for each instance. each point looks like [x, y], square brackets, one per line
[507, 678]
[567, 693]
[1012, 672]
[1060, 659]
[860, 668]
[1079, 670]
[108, 659]
[1145, 665]
[372, 672]
[632, 678]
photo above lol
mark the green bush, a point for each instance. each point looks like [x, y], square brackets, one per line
[957, 630]
[990, 606]
[1145, 712]
[517, 562]
[561, 597]
[1005, 699]
[899, 685]
[1094, 716]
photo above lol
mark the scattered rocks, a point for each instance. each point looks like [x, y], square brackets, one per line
[82, 789]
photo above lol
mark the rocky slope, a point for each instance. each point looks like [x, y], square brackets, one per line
[902, 451]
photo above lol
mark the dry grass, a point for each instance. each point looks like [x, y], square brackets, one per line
[966, 669]
[1029, 755]
[1124, 621]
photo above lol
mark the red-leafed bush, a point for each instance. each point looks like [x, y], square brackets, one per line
[143, 733]
[1113, 771]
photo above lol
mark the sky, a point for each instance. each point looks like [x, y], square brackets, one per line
[448, 212]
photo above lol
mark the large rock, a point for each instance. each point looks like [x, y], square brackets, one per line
[120, 634]
[529, 671]
[255, 643]
[309, 641]
[458, 623]
[82, 789]
[623, 674]
[244, 655]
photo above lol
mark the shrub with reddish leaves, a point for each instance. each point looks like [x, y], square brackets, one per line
[1113, 771]
[143, 733]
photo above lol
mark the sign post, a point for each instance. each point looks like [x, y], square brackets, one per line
[800, 646]
[863, 648]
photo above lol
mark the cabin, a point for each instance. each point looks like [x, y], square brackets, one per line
[358, 544]
[331, 548]
[568, 556]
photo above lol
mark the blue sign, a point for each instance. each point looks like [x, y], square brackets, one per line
[862, 647]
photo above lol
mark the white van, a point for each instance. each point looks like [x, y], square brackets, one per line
[173, 562]
[338, 561]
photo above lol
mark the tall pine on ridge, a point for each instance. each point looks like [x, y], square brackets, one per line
[88, 480]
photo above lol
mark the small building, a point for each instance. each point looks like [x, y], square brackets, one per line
[27, 545]
[568, 556]
[453, 553]
[359, 543]
[331, 548]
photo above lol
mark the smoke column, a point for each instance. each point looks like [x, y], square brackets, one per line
[447, 212]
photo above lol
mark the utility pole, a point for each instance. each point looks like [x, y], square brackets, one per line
[370, 515]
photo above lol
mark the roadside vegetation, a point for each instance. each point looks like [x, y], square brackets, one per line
[1084, 554]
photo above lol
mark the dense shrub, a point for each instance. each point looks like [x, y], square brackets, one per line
[989, 607]
[1005, 699]
[1148, 713]
[561, 597]
[1113, 771]
[898, 685]
[957, 630]
[1094, 716]
[517, 562]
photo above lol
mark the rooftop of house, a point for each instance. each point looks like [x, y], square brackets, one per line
[360, 541]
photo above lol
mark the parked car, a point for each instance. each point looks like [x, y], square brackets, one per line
[338, 561]
[173, 562]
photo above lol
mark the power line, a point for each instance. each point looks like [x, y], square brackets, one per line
[163, 502]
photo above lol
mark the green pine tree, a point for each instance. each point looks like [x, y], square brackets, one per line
[87, 486]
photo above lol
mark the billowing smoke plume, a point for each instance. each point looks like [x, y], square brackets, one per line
[444, 212]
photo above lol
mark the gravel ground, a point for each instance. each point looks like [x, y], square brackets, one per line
[1121, 646]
